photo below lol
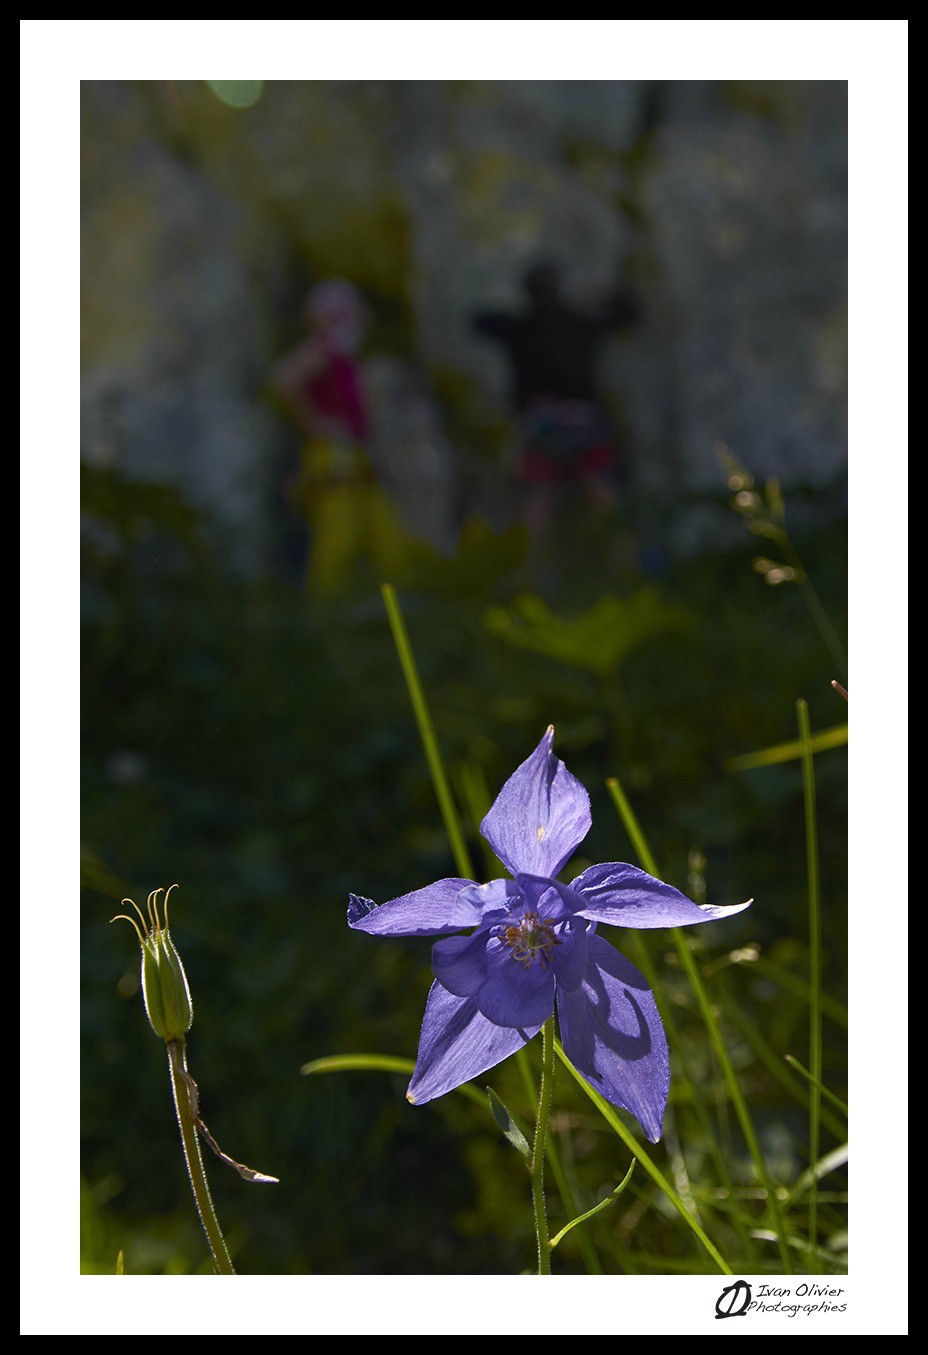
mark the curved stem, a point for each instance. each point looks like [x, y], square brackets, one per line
[187, 1112]
[538, 1152]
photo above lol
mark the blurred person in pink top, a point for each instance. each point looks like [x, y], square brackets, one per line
[336, 490]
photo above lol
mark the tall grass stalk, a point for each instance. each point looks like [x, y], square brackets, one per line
[815, 958]
[715, 1035]
[611, 1116]
[427, 733]
[772, 1061]
[637, 947]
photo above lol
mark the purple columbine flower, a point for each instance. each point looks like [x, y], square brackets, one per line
[535, 947]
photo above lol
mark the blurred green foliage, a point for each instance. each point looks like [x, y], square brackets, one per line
[259, 750]
[598, 639]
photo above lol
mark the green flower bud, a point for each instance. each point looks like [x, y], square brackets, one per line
[164, 983]
[165, 988]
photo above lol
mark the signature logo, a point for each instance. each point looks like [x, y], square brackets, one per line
[734, 1300]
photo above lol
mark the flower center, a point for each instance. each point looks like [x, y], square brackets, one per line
[534, 936]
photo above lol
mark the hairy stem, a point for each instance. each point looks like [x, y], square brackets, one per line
[182, 1083]
[538, 1152]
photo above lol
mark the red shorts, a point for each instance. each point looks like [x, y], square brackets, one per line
[563, 441]
[594, 462]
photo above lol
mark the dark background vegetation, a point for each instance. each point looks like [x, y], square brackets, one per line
[257, 746]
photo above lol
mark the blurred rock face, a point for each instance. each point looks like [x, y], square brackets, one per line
[722, 206]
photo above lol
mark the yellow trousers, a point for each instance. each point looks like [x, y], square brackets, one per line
[353, 525]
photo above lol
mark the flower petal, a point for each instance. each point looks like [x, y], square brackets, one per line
[569, 960]
[625, 896]
[457, 1044]
[612, 1033]
[480, 903]
[540, 816]
[550, 898]
[424, 912]
[459, 963]
[515, 994]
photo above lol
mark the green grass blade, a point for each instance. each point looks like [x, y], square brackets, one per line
[815, 1260]
[834, 737]
[637, 949]
[340, 1063]
[794, 1063]
[812, 1175]
[378, 1063]
[771, 1060]
[646, 1263]
[627, 815]
[815, 957]
[793, 983]
[609, 1114]
[820, 617]
[712, 1027]
[427, 733]
[640, 955]
[477, 799]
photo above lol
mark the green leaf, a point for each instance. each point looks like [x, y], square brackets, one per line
[508, 1125]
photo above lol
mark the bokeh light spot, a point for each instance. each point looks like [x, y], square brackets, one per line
[237, 93]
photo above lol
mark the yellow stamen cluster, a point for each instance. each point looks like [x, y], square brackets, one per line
[533, 937]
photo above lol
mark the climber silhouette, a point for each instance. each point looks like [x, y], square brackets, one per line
[563, 432]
